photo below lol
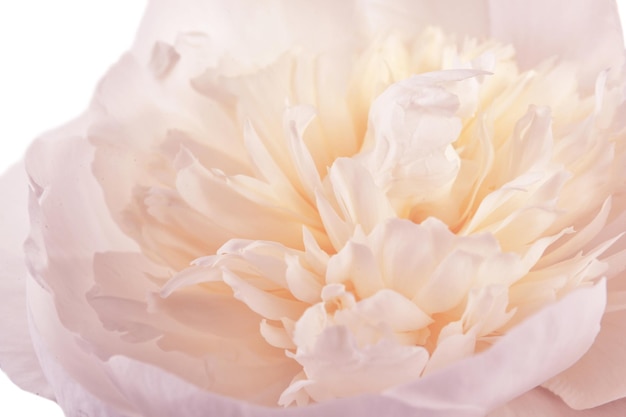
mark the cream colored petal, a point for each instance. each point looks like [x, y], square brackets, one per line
[355, 263]
[361, 201]
[199, 187]
[276, 336]
[266, 304]
[337, 367]
[389, 307]
[449, 282]
[411, 155]
[303, 284]
[408, 253]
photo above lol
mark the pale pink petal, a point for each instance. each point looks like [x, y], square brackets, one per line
[60, 251]
[17, 357]
[282, 23]
[71, 394]
[586, 32]
[410, 17]
[551, 341]
[156, 393]
[598, 377]
[540, 402]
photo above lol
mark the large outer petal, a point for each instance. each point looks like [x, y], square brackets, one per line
[584, 31]
[17, 356]
[598, 377]
[68, 227]
[587, 32]
[540, 402]
[551, 341]
[250, 31]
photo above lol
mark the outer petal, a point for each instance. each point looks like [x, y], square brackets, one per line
[59, 253]
[541, 403]
[551, 341]
[17, 356]
[158, 394]
[598, 377]
[73, 398]
[252, 32]
[585, 31]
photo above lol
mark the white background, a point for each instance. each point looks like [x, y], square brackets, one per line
[52, 54]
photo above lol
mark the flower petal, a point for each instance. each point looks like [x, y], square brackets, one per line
[282, 23]
[586, 32]
[539, 402]
[598, 377]
[17, 357]
[159, 394]
[551, 340]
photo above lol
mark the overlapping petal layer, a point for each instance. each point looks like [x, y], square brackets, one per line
[370, 200]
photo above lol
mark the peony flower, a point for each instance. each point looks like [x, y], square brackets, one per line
[295, 208]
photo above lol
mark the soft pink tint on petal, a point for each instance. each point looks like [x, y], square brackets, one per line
[539, 402]
[159, 394]
[17, 357]
[60, 253]
[481, 383]
[599, 376]
[252, 32]
[71, 395]
[585, 31]
[552, 340]
[410, 17]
